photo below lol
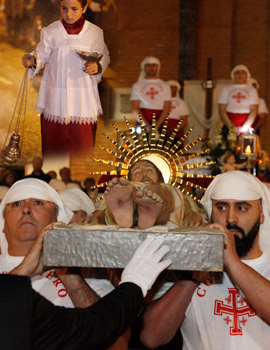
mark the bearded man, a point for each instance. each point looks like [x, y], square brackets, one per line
[228, 310]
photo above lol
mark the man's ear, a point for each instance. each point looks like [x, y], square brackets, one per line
[4, 229]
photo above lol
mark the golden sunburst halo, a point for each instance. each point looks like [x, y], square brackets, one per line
[166, 155]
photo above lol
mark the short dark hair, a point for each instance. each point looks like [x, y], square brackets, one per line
[63, 169]
[159, 173]
[82, 2]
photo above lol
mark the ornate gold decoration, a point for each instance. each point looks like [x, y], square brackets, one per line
[161, 150]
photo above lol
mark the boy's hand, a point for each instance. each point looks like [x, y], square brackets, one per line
[92, 68]
[27, 60]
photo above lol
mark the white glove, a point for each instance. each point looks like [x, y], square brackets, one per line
[145, 265]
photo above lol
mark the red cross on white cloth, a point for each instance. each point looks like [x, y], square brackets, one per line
[239, 97]
[152, 92]
[234, 311]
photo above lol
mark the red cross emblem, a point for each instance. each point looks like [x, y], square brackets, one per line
[152, 92]
[237, 313]
[239, 97]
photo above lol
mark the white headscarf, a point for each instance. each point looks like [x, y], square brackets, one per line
[73, 185]
[240, 185]
[148, 60]
[57, 184]
[240, 67]
[32, 188]
[175, 83]
[76, 199]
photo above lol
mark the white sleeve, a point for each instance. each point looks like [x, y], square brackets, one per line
[105, 59]
[167, 93]
[101, 47]
[164, 287]
[184, 108]
[43, 51]
[101, 287]
[223, 96]
[262, 107]
[254, 98]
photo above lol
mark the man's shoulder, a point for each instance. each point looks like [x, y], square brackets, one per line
[243, 87]
[261, 265]
[226, 91]
[8, 262]
[227, 88]
[179, 101]
[156, 82]
[163, 82]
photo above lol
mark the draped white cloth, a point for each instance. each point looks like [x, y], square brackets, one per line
[194, 96]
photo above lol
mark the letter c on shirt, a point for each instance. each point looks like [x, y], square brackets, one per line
[201, 292]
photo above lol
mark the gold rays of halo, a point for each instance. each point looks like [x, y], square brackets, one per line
[162, 151]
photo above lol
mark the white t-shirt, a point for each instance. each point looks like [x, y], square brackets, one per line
[238, 98]
[262, 106]
[68, 94]
[152, 93]
[50, 286]
[218, 316]
[178, 108]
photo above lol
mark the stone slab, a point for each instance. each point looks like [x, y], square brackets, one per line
[191, 249]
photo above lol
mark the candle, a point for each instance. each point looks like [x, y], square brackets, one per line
[248, 149]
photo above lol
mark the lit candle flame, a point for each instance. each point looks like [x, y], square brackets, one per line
[248, 149]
